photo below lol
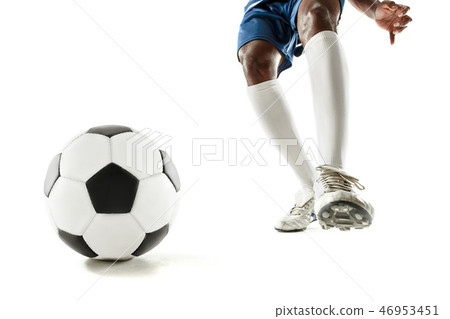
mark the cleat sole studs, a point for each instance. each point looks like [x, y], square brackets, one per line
[344, 215]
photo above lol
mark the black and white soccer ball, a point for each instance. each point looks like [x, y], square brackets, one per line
[103, 207]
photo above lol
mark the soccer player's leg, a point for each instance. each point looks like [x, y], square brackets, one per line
[339, 206]
[261, 61]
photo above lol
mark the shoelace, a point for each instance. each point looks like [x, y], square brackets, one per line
[298, 210]
[333, 180]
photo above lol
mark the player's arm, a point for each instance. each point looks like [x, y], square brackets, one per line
[389, 15]
[368, 7]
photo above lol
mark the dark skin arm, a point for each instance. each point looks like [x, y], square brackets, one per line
[388, 15]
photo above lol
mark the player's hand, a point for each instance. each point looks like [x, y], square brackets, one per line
[392, 17]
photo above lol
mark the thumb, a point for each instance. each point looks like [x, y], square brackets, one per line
[392, 37]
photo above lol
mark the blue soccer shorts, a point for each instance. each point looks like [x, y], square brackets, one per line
[273, 21]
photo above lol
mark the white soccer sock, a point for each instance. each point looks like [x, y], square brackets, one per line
[329, 81]
[273, 113]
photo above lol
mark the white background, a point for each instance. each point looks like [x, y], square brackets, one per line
[66, 66]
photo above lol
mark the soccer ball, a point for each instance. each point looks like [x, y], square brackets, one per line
[101, 203]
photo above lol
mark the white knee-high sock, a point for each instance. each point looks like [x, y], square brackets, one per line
[272, 110]
[329, 81]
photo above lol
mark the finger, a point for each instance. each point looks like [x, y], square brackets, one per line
[402, 22]
[399, 30]
[402, 11]
[405, 20]
[392, 36]
[391, 5]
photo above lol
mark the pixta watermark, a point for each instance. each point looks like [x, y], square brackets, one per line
[245, 151]
[143, 151]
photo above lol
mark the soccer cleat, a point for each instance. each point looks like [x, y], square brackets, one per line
[299, 217]
[339, 206]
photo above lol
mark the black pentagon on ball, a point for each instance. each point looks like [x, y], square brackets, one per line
[151, 240]
[53, 173]
[109, 130]
[170, 170]
[77, 243]
[112, 190]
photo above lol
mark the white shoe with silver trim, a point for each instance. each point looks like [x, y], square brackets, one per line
[300, 216]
